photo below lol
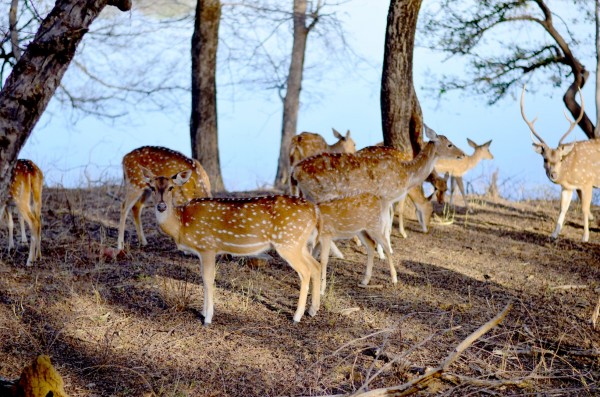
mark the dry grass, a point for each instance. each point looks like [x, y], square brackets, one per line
[131, 325]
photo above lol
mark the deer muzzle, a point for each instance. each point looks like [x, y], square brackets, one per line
[161, 207]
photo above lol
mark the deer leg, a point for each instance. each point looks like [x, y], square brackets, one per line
[370, 246]
[207, 264]
[400, 210]
[136, 211]
[335, 251]
[461, 187]
[586, 201]
[315, 275]
[452, 188]
[37, 213]
[590, 216]
[295, 259]
[25, 211]
[380, 239]
[22, 226]
[132, 195]
[565, 200]
[11, 226]
[325, 246]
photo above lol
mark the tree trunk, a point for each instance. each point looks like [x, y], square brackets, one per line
[203, 123]
[580, 75]
[291, 102]
[597, 12]
[402, 120]
[37, 74]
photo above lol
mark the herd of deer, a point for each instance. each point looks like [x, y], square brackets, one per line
[346, 193]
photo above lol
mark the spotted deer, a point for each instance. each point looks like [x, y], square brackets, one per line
[573, 166]
[239, 226]
[307, 144]
[25, 193]
[417, 196]
[333, 175]
[458, 168]
[160, 161]
[364, 215]
[440, 185]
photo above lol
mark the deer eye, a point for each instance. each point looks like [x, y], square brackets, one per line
[450, 145]
[151, 188]
[170, 188]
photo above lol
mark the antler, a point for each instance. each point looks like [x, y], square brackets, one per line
[573, 123]
[529, 123]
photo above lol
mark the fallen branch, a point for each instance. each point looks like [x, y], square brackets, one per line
[531, 350]
[460, 379]
[596, 314]
[568, 287]
[422, 382]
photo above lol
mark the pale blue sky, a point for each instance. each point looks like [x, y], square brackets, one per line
[249, 130]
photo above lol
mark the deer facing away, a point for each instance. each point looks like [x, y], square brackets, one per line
[250, 226]
[364, 215]
[25, 193]
[307, 144]
[573, 166]
[458, 168]
[160, 161]
[332, 175]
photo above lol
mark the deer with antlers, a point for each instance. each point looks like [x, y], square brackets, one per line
[573, 166]
[160, 161]
[239, 226]
[307, 144]
[364, 215]
[458, 168]
[25, 193]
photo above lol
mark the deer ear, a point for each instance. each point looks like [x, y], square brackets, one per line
[471, 143]
[566, 149]
[430, 133]
[348, 134]
[182, 177]
[337, 134]
[488, 143]
[147, 174]
[538, 148]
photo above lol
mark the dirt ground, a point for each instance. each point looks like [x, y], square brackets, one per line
[131, 325]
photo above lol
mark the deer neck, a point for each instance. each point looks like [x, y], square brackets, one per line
[421, 166]
[170, 220]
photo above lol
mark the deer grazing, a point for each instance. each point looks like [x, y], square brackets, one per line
[458, 168]
[332, 175]
[573, 166]
[364, 215]
[26, 189]
[250, 226]
[307, 144]
[160, 161]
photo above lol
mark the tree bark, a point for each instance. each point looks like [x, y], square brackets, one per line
[203, 123]
[402, 120]
[580, 75]
[14, 32]
[291, 102]
[38, 73]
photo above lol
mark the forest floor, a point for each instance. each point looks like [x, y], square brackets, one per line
[130, 325]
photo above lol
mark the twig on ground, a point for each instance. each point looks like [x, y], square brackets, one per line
[596, 314]
[568, 286]
[421, 382]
